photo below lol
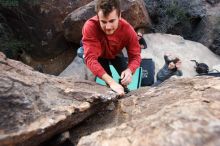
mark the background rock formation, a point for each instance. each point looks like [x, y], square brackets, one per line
[196, 20]
[208, 30]
[39, 22]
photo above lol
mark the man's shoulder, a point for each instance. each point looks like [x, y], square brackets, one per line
[91, 21]
[126, 27]
[125, 23]
[91, 25]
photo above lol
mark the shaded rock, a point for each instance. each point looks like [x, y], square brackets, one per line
[176, 17]
[134, 11]
[195, 20]
[213, 1]
[208, 30]
[136, 14]
[74, 22]
[40, 23]
[34, 106]
[59, 140]
[6, 34]
[179, 112]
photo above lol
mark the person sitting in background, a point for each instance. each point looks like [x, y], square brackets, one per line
[171, 67]
[141, 40]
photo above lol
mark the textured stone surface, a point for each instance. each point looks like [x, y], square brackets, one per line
[35, 106]
[40, 23]
[208, 30]
[178, 112]
[175, 16]
[196, 20]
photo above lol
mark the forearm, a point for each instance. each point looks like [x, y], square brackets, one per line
[166, 58]
[113, 85]
[94, 66]
[108, 79]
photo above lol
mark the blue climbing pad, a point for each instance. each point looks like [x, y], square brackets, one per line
[136, 78]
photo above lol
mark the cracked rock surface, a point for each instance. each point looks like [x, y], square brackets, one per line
[178, 112]
[36, 106]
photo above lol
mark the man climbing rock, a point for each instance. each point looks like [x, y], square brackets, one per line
[104, 37]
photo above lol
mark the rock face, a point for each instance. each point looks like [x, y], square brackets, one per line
[132, 10]
[34, 106]
[208, 30]
[176, 17]
[196, 20]
[178, 112]
[40, 23]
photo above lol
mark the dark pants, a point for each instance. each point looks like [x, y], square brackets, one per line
[119, 63]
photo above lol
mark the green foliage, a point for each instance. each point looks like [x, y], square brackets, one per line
[9, 42]
[12, 47]
[176, 12]
[16, 3]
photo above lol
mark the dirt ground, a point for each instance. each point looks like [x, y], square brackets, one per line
[53, 66]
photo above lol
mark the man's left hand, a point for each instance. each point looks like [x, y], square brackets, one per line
[178, 64]
[126, 77]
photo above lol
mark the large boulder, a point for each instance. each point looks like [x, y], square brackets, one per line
[176, 17]
[195, 20]
[179, 112]
[208, 30]
[34, 106]
[132, 10]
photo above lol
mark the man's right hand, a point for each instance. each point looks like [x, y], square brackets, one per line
[113, 85]
[117, 88]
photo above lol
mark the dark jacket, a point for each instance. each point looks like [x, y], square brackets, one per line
[165, 73]
[143, 42]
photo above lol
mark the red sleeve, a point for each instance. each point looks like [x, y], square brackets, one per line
[133, 49]
[92, 48]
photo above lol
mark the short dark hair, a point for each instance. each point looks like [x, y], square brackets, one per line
[174, 60]
[108, 6]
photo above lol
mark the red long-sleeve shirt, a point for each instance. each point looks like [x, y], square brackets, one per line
[97, 44]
